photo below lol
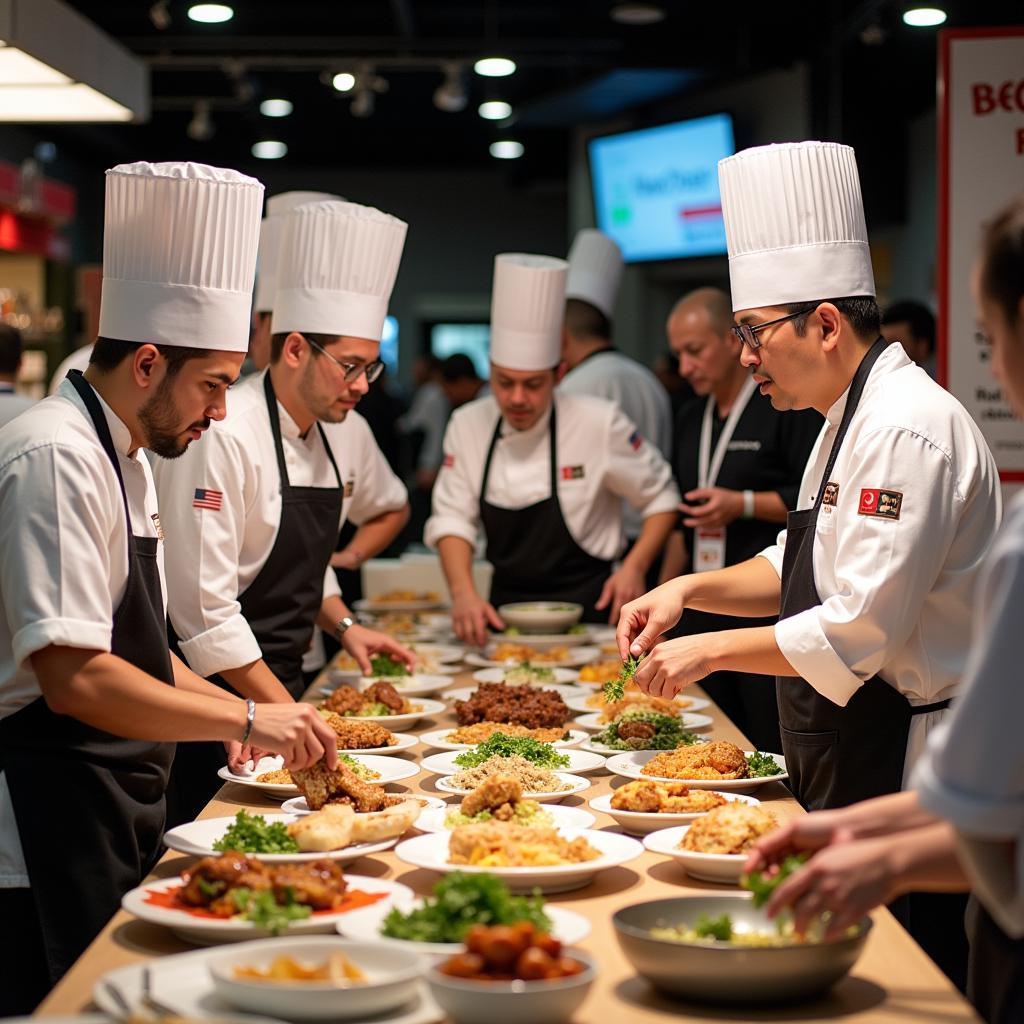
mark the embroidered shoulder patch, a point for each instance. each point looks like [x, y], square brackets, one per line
[880, 503]
[205, 497]
[448, 462]
[572, 472]
[635, 440]
[831, 495]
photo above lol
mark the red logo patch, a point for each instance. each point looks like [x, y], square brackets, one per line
[572, 473]
[449, 461]
[883, 504]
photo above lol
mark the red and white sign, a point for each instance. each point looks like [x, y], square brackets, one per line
[981, 167]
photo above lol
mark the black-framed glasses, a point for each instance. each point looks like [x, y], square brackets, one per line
[352, 371]
[747, 333]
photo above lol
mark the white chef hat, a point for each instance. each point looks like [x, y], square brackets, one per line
[527, 311]
[794, 224]
[270, 242]
[179, 255]
[595, 270]
[336, 267]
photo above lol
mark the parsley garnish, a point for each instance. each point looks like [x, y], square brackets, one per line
[498, 744]
[616, 688]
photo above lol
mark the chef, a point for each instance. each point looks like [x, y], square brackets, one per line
[278, 207]
[252, 518]
[91, 700]
[541, 476]
[873, 577]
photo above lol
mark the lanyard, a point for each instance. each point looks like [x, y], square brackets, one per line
[707, 475]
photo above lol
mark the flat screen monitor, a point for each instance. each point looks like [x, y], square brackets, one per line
[656, 189]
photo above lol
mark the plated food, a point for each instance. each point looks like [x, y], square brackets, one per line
[500, 800]
[271, 777]
[471, 735]
[508, 845]
[509, 653]
[337, 826]
[640, 701]
[399, 600]
[568, 785]
[600, 672]
[646, 806]
[637, 729]
[510, 952]
[533, 675]
[530, 776]
[321, 785]
[380, 699]
[718, 765]
[523, 705]
[364, 735]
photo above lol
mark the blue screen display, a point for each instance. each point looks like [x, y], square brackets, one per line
[656, 190]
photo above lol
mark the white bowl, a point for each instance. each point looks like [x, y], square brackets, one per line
[579, 761]
[577, 783]
[436, 739]
[392, 977]
[630, 766]
[642, 823]
[541, 616]
[724, 868]
[432, 820]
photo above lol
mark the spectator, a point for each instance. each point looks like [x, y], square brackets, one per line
[11, 403]
[913, 326]
[459, 380]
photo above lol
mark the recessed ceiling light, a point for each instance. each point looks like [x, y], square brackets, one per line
[344, 81]
[269, 149]
[637, 14]
[211, 14]
[276, 108]
[924, 17]
[494, 110]
[506, 149]
[495, 67]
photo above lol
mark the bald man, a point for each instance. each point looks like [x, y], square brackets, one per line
[738, 464]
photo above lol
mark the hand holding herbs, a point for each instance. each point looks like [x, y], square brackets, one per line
[250, 833]
[616, 689]
[498, 744]
[762, 884]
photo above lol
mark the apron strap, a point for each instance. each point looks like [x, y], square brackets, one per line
[494, 441]
[487, 461]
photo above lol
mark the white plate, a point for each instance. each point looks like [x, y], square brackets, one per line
[576, 656]
[691, 722]
[197, 838]
[465, 692]
[207, 931]
[578, 783]
[374, 607]
[444, 653]
[391, 769]
[431, 851]
[579, 761]
[629, 766]
[641, 823]
[544, 641]
[580, 703]
[436, 740]
[565, 817]
[183, 983]
[417, 685]
[351, 677]
[567, 926]
[298, 805]
[398, 723]
[405, 741]
[497, 675]
[724, 868]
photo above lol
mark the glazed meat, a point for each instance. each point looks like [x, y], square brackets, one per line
[384, 693]
[636, 730]
[213, 877]
[492, 795]
[321, 786]
[717, 760]
[344, 701]
[523, 705]
[320, 883]
[359, 734]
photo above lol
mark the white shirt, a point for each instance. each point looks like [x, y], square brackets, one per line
[602, 458]
[78, 360]
[12, 404]
[428, 413]
[972, 773]
[213, 555]
[896, 593]
[65, 551]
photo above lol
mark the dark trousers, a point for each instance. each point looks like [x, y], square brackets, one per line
[749, 700]
[936, 922]
[24, 978]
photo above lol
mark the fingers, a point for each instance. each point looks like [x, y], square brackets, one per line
[771, 849]
[493, 617]
[646, 640]
[629, 620]
[606, 595]
[358, 651]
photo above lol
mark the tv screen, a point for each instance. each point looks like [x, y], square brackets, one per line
[656, 189]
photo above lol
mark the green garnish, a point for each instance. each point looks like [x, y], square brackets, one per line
[762, 885]
[371, 711]
[526, 812]
[385, 665]
[762, 766]
[668, 732]
[498, 744]
[211, 890]
[616, 688]
[461, 901]
[577, 630]
[358, 768]
[714, 927]
[525, 672]
[263, 910]
[250, 833]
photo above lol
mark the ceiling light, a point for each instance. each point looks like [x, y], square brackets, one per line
[506, 149]
[495, 67]
[494, 110]
[637, 14]
[18, 68]
[924, 17]
[276, 108]
[211, 14]
[269, 149]
[201, 127]
[52, 103]
[450, 96]
[344, 81]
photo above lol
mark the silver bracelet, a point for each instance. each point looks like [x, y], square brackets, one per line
[250, 717]
[748, 504]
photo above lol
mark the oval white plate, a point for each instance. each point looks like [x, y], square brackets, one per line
[436, 740]
[399, 723]
[724, 868]
[565, 817]
[578, 783]
[497, 675]
[576, 656]
[391, 769]
[365, 924]
[197, 838]
[465, 692]
[629, 766]
[580, 703]
[444, 653]
[642, 823]
[206, 931]
[298, 805]
[579, 761]
[405, 741]
[431, 851]
[691, 722]
[416, 685]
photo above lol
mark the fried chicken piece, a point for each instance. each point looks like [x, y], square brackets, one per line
[384, 693]
[641, 796]
[212, 877]
[718, 760]
[650, 797]
[320, 883]
[732, 828]
[358, 734]
[489, 795]
[344, 701]
[321, 786]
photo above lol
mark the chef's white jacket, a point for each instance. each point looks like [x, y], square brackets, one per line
[972, 773]
[64, 544]
[213, 555]
[602, 458]
[896, 591]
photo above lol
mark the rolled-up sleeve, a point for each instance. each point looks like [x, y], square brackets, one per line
[456, 501]
[636, 470]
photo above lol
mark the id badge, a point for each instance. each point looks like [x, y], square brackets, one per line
[708, 550]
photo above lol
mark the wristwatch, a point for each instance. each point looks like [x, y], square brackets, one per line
[342, 627]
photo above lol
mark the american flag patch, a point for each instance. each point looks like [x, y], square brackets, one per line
[635, 440]
[205, 498]
[449, 461]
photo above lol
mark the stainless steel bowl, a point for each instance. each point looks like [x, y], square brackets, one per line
[721, 973]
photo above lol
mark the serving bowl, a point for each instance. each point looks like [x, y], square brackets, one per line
[720, 973]
[541, 616]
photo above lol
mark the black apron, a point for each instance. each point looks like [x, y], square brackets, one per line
[280, 605]
[533, 553]
[837, 755]
[90, 805]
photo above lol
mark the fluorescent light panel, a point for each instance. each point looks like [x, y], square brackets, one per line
[55, 103]
[19, 68]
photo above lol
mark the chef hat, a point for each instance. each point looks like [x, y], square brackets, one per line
[270, 242]
[527, 311]
[595, 270]
[179, 255]
[794, 224]
[337, 265]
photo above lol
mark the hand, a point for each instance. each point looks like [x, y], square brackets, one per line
[362, 642]
[805, 834]
[711, 507]
[239, 757]
[673, 665]
[471, 615]
[347, 558]
[642, 621]
[625, 584]
[296, 732]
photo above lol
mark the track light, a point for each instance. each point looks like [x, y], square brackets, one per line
[506, 149]
[494, 110]
[269, 149]
[495, 67]
[924, 17]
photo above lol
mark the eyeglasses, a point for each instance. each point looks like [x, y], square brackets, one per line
[352, 371]
[747, 333]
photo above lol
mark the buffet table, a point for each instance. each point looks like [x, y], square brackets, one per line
[894, 982]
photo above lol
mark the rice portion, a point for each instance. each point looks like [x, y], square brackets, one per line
[532, 778]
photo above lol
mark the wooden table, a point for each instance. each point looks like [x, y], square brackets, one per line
[894, 982]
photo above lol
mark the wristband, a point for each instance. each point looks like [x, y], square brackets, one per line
[748, 504]
[342, 627]
[250, 717]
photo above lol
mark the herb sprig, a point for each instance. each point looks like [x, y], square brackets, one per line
[615, 689]
[499, 744]
[762, 884]
[250, 833]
